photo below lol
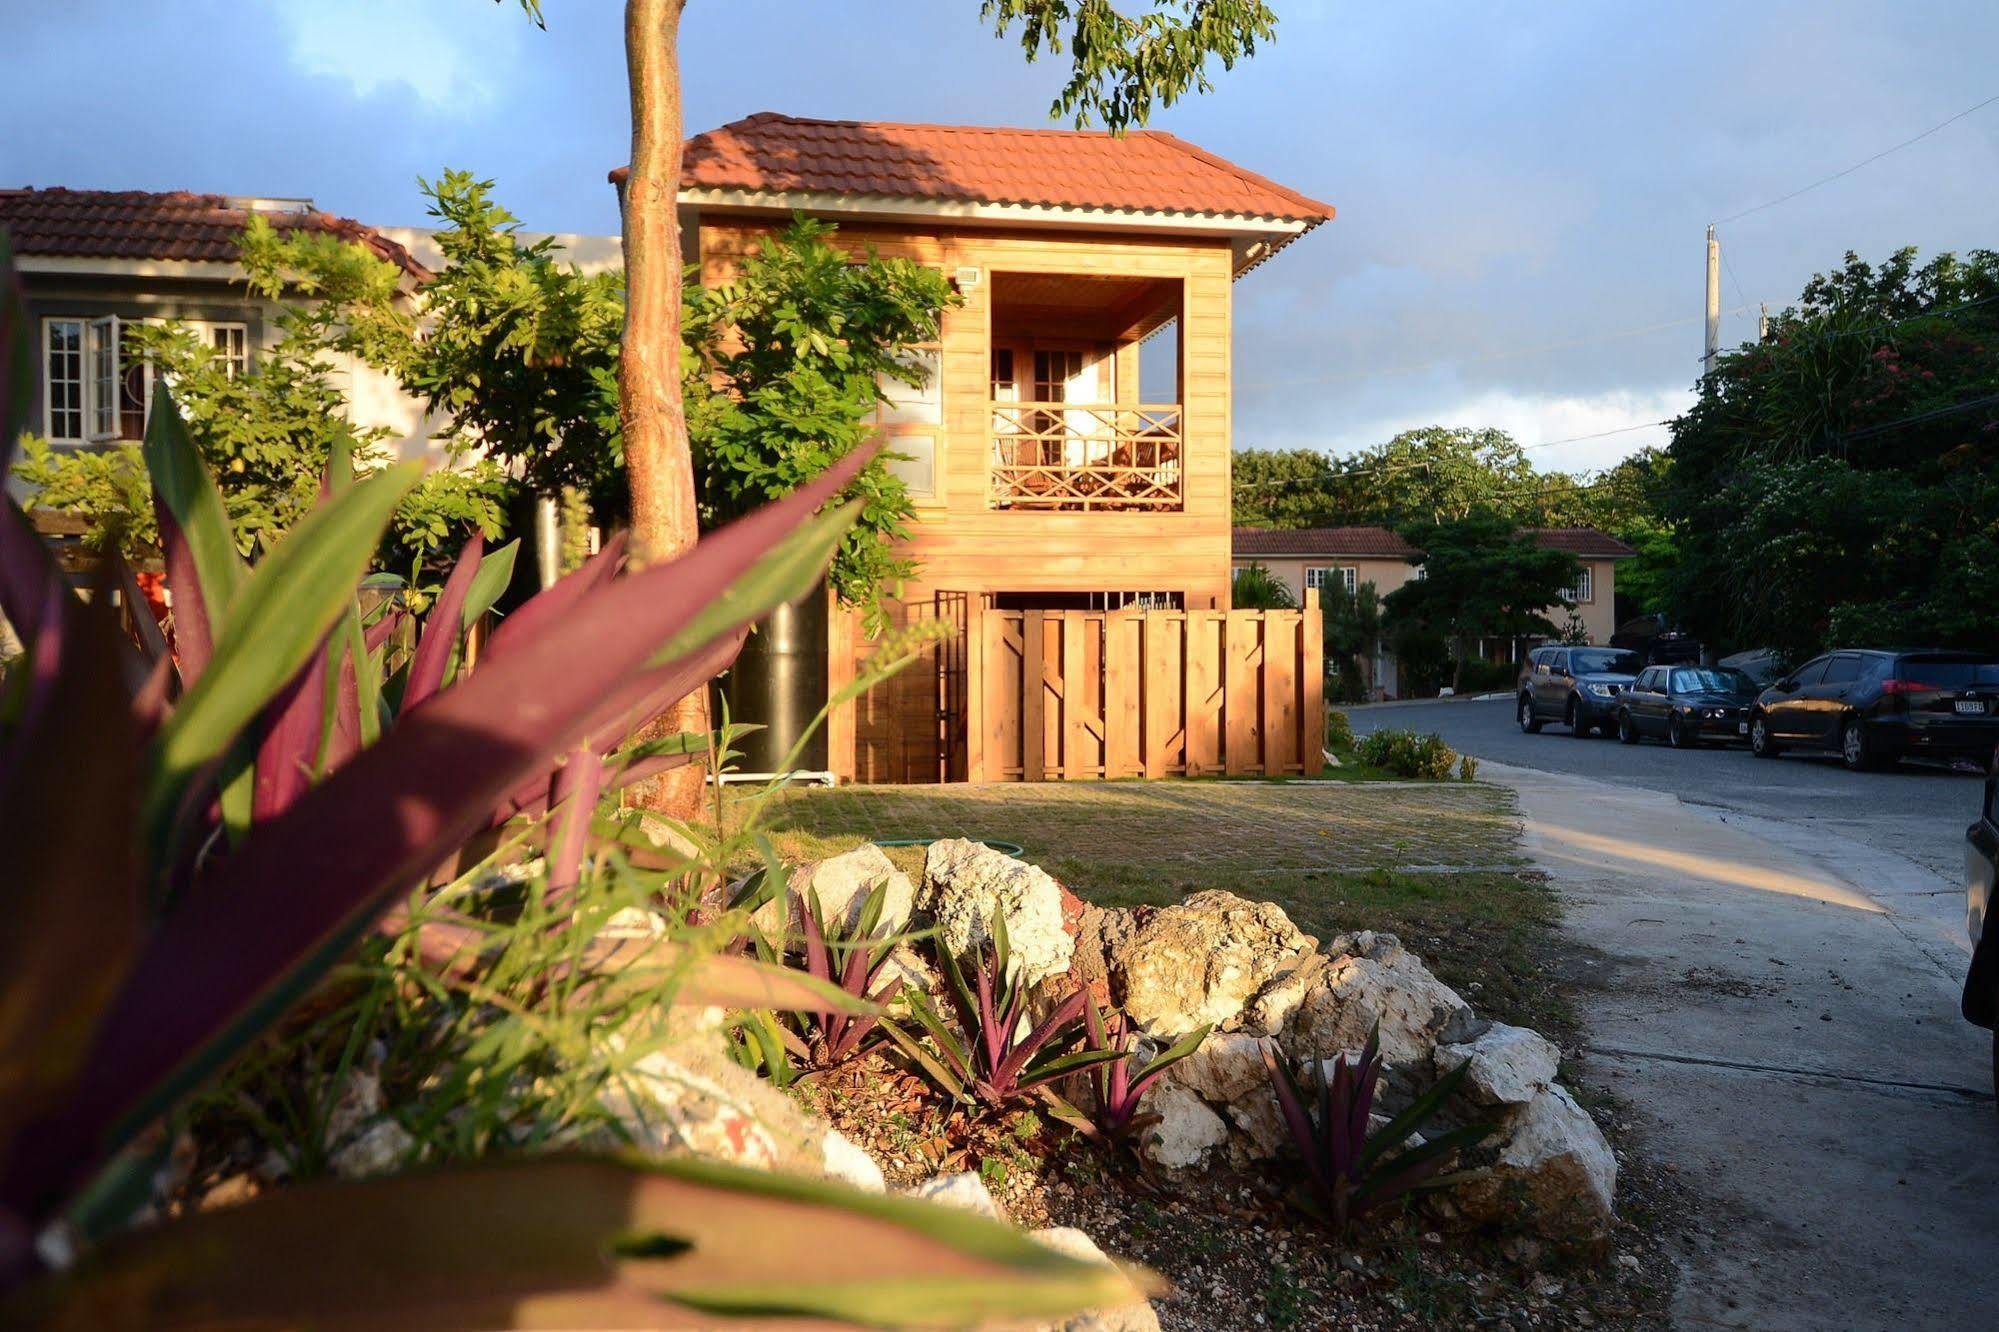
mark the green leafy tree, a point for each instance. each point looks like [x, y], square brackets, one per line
[1256, 588]
[786, 366]
[1440, 473]
[1290, 488]
[1839, 481]
[1352, 629]
[1481, 579]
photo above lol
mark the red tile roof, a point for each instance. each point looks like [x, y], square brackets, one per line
[1144, 171]
[1585, 541]
[137, 224]
[1380, 543]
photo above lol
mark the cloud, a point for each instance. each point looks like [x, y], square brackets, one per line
[453, 57]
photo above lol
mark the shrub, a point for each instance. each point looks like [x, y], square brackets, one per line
[1408, 754]
[1117, 1086]
[1349, 1171]
[1467, 768]
[1339, 730]
[1487, 677]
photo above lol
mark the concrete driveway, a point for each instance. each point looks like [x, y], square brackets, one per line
[1779, 1008]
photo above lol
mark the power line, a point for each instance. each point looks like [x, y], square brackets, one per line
[1837, 175]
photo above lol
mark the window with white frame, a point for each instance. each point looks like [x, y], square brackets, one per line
[1582, 589]
[97, 389]
[1344, 577]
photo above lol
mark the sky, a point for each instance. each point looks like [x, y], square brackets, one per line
[1522, 189]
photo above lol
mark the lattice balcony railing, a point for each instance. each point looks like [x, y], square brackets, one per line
[1068, 455]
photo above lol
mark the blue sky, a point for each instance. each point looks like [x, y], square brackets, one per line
[1522, 189]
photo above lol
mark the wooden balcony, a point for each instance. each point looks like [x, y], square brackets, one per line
[1086, 456]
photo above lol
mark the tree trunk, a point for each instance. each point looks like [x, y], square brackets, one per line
[657, 462]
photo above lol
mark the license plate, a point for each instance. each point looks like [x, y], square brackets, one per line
[1742, 728]
[1973, 706]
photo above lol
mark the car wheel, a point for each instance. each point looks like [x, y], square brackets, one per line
[1854, 749]
[1626, 733]
[1761, 743]
[1529, 723]
[1573, 720]
[1676, 733]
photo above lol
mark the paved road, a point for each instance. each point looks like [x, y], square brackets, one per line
[1914, 811]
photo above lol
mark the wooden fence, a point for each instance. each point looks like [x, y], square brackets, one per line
[1053, 695]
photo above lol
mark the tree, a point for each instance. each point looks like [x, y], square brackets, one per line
[1351, 624]
[1289, 488]
[784, 372]
[1481, 578]
[1256, 588]
[1839, 481]
[1419, 476]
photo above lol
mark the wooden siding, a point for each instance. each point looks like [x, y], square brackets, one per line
[1073, 695]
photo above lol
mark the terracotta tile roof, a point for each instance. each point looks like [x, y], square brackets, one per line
[137, 224]
[1378, 542]
[1145, 171]
[1381, 543]
[1585, 541]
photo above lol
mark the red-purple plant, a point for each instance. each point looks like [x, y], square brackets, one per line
[993, 1062]
[1348, 1170]
[1117, 1086]
[850, 961]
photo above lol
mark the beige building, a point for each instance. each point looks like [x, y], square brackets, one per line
[1349, 556]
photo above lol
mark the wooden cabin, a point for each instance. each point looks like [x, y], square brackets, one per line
[1070, 453]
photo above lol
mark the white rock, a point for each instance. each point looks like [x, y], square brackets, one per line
[633, 923]
[1555, 1174]
[690, 1098]
[842, 884]
[1187, 1129]
[964, 1191]
[1073, 1243]
[1509, 1065]
[847, 1163]
[363, 1140]
[1200, 961]
[966, 883]
[1388, 985]
[1228, 1073]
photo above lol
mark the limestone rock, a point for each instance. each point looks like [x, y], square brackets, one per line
[1187, 1129]
[362, 1139]
[1555, 1174]
[1229, 1074]
[1073, 1243]
[1509, 1065]
[689, 1097]
[964, 1191]
[1200, 961]
[966, 883]
[847, 1163]
[842, 884]
[1386, 984]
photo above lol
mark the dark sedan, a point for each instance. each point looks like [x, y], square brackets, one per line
[1686, 705]
[1872, 706]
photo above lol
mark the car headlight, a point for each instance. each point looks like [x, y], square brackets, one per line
[1599, 691]
[1715, 714]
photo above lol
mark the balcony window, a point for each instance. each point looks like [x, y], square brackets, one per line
[97, 389]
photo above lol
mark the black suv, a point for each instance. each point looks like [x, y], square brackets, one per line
[1577, 686]
[1873, 707]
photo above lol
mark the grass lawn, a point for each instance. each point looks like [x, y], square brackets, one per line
[1433, 863]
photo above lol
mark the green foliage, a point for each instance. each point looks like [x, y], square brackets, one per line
[1339, 730]
[1256, 588]
[1481, 578]
[1408, 754]
[1123, 65]
[785, 370]
[1351, 623]
[1839, 482]
[1292, 488]
[107, 488]
[1467, 768]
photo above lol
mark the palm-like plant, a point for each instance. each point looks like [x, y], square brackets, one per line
[1118, 1085]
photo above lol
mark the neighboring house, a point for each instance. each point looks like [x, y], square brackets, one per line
[94, 262]
[1348, 556]
[1071, 449]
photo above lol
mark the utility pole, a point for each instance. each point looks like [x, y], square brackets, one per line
[1713, 301]
[1763, 322]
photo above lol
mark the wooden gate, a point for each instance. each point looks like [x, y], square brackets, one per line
[1103, 694]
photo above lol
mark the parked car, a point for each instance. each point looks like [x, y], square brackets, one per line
[1577, 686]
[1873, 706]
[1981, 852]
[1686, 705]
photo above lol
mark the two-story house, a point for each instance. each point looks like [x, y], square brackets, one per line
[1071, 449]
[1346, 557]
